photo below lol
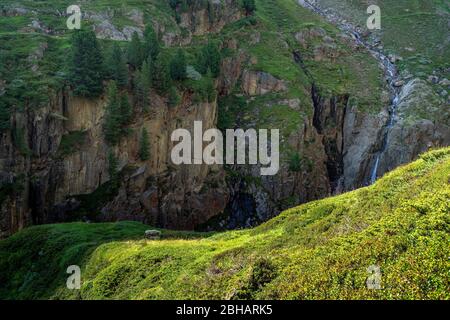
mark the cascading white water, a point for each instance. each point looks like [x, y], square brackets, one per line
[390, 72]
[373, 175]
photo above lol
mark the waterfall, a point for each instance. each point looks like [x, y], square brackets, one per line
[390, 70]
[373, 176]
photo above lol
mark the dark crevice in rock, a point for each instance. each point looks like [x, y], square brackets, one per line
[328, 120]
[318, 109]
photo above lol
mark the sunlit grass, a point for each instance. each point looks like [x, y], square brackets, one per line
[320, 250]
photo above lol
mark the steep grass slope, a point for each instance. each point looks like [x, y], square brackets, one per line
[320, 250]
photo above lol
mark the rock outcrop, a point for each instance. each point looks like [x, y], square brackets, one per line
[202, 17]
[199, 18]
[259, 83]
[422, 122]
[362, 133]
[45, 182]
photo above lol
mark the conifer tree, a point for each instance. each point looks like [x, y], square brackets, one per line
[178, 66]
[126, 112]
[295, 162]
[147, 71]
[210, 88]
[138, 88]
[113, 119]
[161, 74]
[209, 58]
[86, 65]
[135, 52]
[151, 45]
[249, 6]
[144, 149]
[174, 98]
[143, 83]
[116, 66]
[174, 3]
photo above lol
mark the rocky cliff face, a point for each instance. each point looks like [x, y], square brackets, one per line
[42, 182]
[53, 161]
[154, 191]
[362, 133]
[416, 121]
[418, 118]
[202, 17]
[336, 140]
[158, 192]
[196, 19]
[421, 123]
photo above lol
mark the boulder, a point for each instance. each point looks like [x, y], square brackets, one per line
[259, 83]
[152, 234]
[128, 32]
[444, 82]
[137, 16]
[106, 30]
[433, 79]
